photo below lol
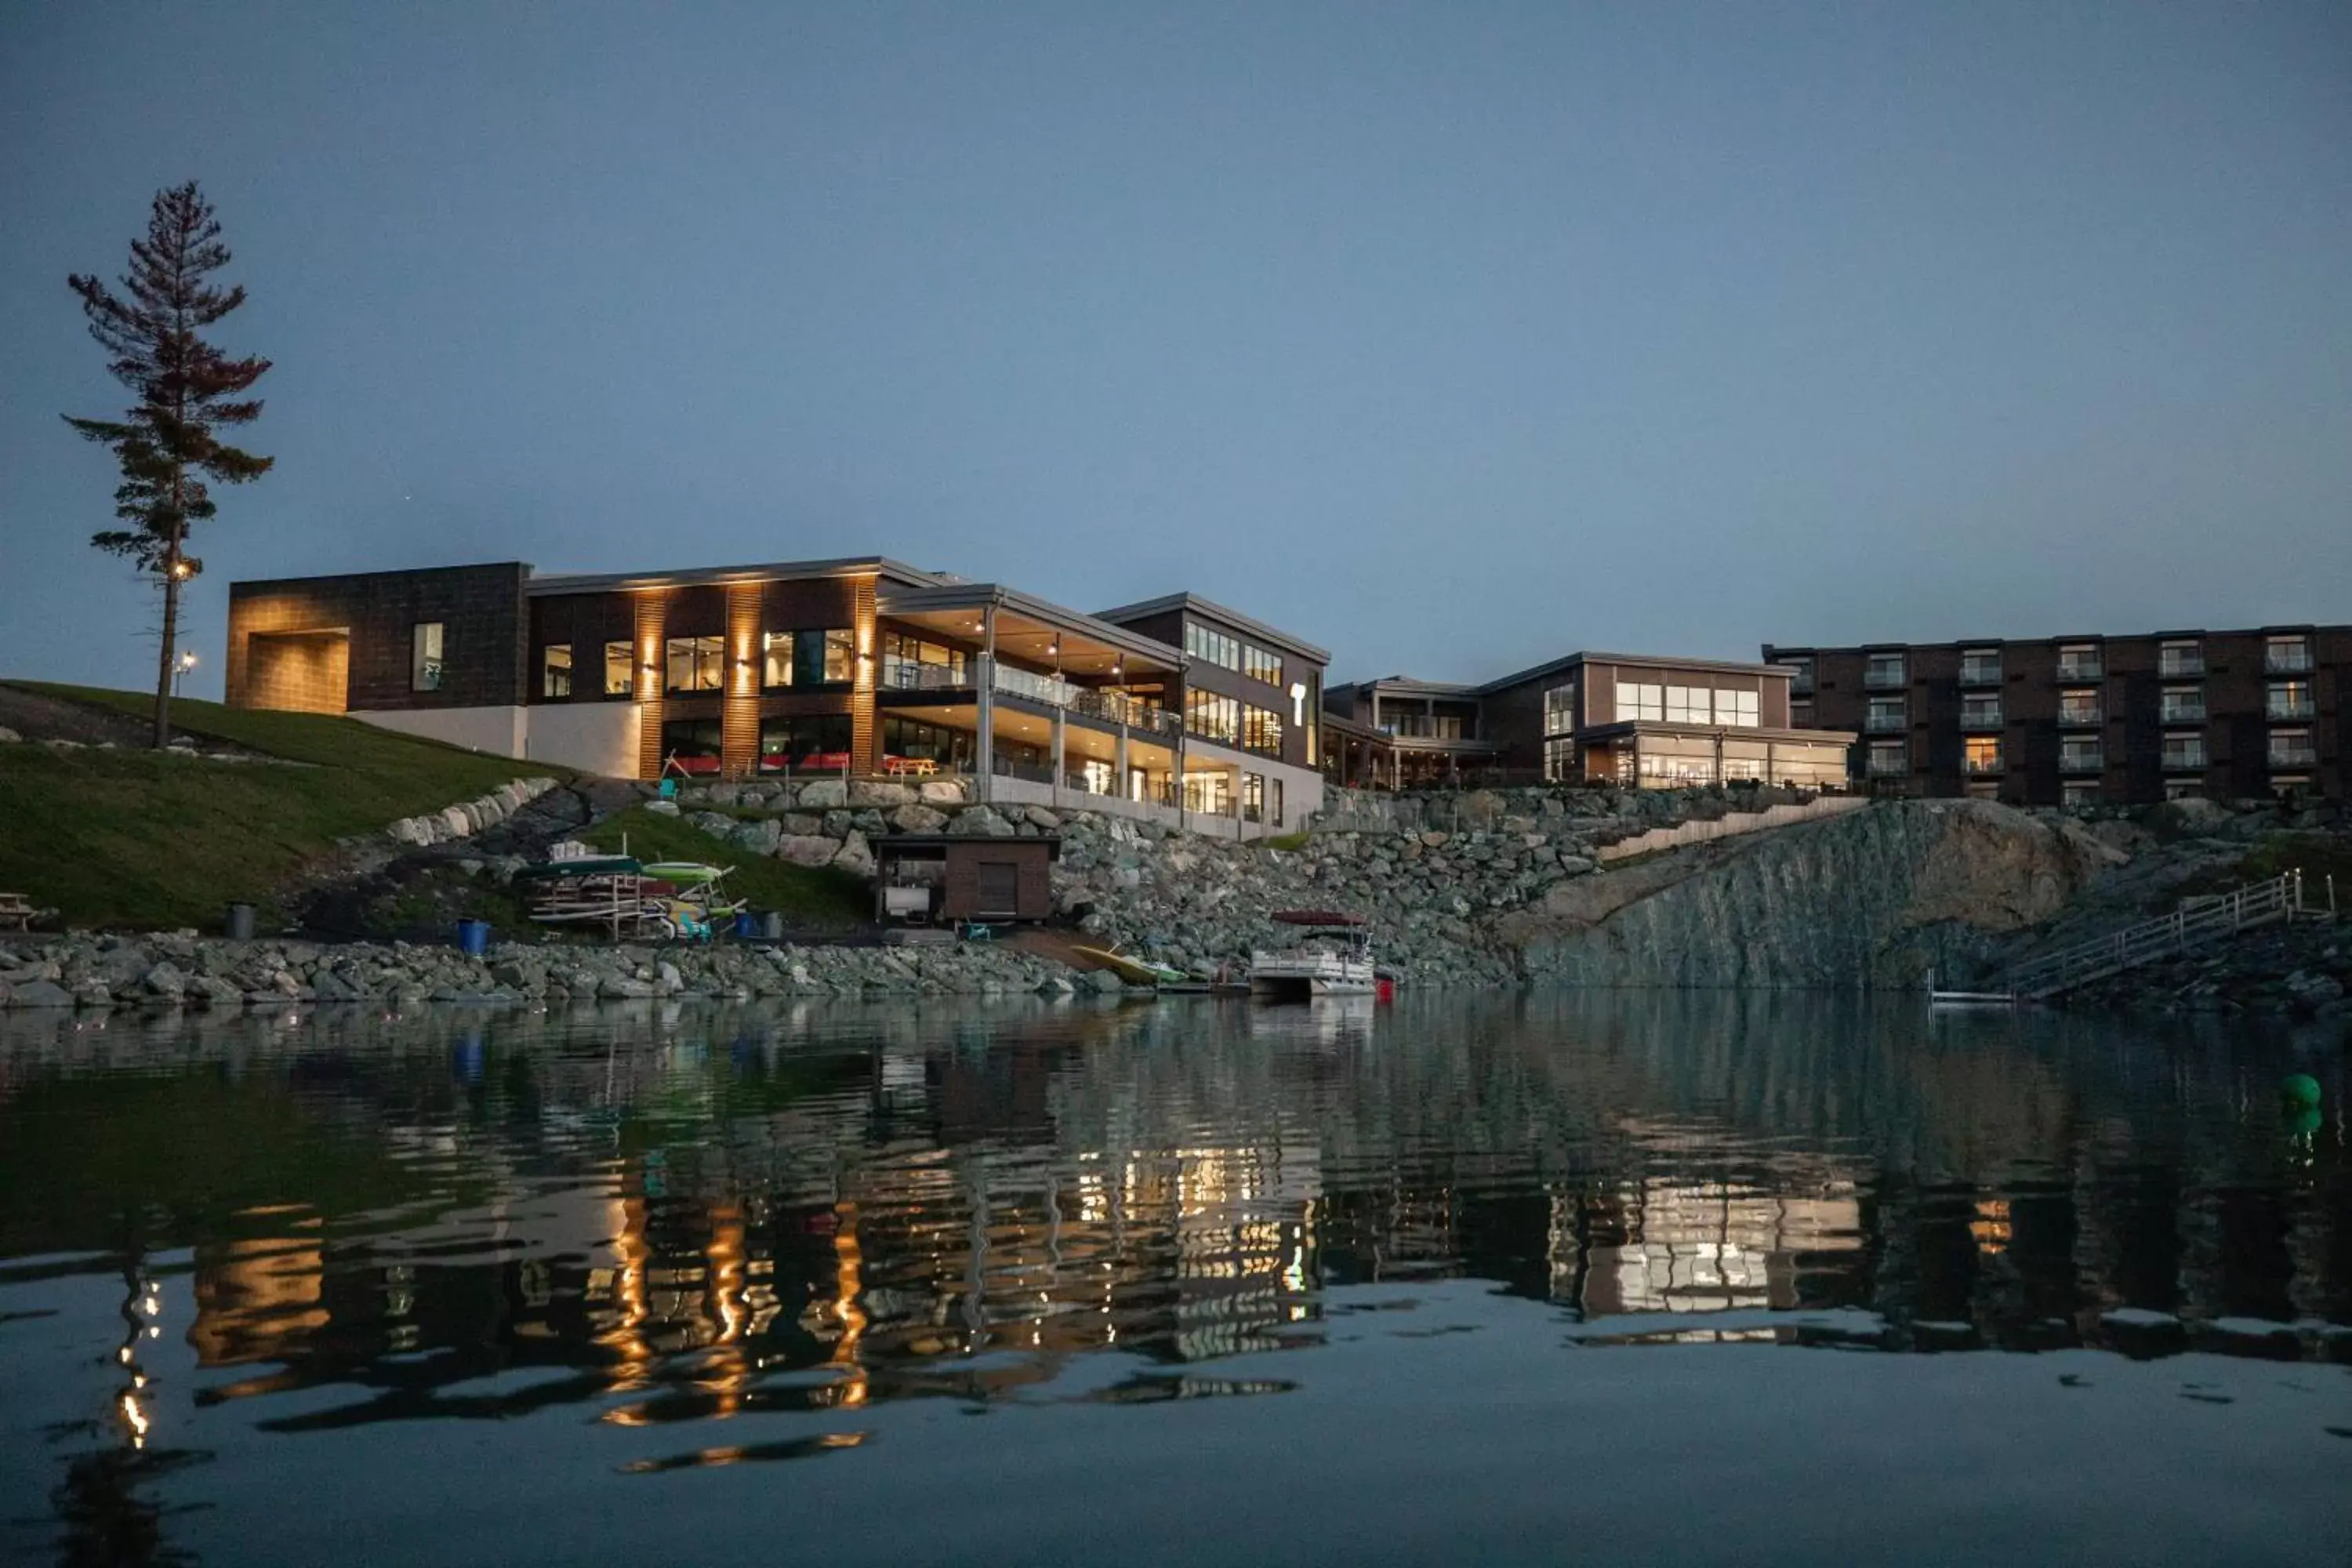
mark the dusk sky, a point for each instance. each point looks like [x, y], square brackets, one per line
[1452, 337]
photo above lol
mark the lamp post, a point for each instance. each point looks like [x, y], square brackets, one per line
[180, 667]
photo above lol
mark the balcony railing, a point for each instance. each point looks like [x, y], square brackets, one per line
[2290, 708]
[1978, 767]
[1980, 672]
[2182, 712]
[1884, 723]
[2287, 661]
[2178, 761]
[2081, 717]
[2081, 669]
[2072, 762]
[1877, 677]
[1802, 684]
[2294, 757]
[1889, 767]
[1980, 717]
[906, 675]
[2181, 664]
[1114, 707]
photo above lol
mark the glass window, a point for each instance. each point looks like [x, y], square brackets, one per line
[2082, 753]
[949, 751]
[775, 658]
[691, 746]
[1212, 717]
[1252, 797]
[1883, 669]
[2291, 749]
[424, 657]
[2290, 700]
[2182, 705]
[2079, 792]
[1886, 713]
[1979, 665]
[555, 670]
[1211, 793]
[695, 664]
[2079, 707]
[2080, 661]
[1736, 708]
[1889, 758]
[815, 743]
[1559, 760]
[1261, 730]
[1690, 705]
[1980, 712]
[2175, 660]
[620, 674]
[911, 664]
[2286, 655]
[822, 657]
[1801, 715]
[1641, 700]
[1560, 710]
[1213, 646]
[1260, 665]
[1802, 681]
[1983, 754]
[2184, 752]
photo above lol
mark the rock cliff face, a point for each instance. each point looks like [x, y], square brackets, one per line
[1875, 898]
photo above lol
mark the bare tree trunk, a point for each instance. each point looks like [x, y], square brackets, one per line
[164, 669]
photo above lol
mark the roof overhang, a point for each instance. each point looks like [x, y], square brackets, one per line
[880, 566]
[1031, 628]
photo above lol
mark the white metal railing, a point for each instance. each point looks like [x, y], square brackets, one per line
[1980, 716]
[2287, 661]
[2082, 718]
[2182, 712]
[2182, 761]
[2190, 925]
[1117, 707]
[1881, 723]
[2294, 756]
[2088, 761]
[1882, 677]
[1980, 672]
[2290, 708]
[1050, 689]
[2187, 664]
[909, 675]
[2087, 669]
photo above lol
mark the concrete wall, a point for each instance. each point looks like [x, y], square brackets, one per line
[499, 730]
[596, 737]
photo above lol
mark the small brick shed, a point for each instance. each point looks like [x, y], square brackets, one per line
[969, 879]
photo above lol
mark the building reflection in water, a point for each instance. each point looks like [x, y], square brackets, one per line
[686, 1213]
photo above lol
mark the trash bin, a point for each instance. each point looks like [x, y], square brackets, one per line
[473, 938]
[772, 925]
[238, 925]
[746, 925]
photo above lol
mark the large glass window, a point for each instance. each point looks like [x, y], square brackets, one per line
[1212, 717]
[1560, 710]
[2286, 655]
[1983, 754]
[1980, 712]
[2290, 700]
[1559, 758]
[1887, 713]
[695, 664]
[425, 655]
[1738, 709]
[1883, 669]
[1213, 646]
[2179, 660]
[620, 669]
[814, 742]
[2080, 706]
[2080, 661]
[823, 657]
[1261, 730]
[555, 670]
[1979, 665]
[1260, 665]
[2181, 705]
[691, 746]
[775, 659]
[2082, 753]
[1252, 797]
[1211, 793]
[1689, 705]
[1889, 758]
[1667, 760]
[1639, 699]
[950, 750]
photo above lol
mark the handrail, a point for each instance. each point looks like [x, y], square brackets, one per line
[2263, 903]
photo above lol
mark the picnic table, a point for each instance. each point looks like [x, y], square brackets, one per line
[16, 912]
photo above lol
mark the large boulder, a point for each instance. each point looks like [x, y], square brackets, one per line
[919, 819]
[978, 820]
[878, 793]
[942, 791]
[856, 856]
[760, 838]
[36, 993]
[824, 795]
[806, 848]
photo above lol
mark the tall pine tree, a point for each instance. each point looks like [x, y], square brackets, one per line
[168, 442]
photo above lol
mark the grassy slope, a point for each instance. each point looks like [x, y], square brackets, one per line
[136, 838]
[808, 897]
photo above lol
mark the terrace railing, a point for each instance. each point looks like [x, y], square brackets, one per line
[2193, 924]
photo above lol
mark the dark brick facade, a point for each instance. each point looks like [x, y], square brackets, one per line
[1945, 701]
[1298, 741]
[478, 608]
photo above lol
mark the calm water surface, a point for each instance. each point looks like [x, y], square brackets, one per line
[1642, 1277]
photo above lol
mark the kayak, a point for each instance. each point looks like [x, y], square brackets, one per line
[1133, 969]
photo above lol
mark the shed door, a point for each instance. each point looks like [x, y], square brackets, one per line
[1000, 887]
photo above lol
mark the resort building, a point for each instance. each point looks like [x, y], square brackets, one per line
[1588, 717]
[864, 667]
[2076, 721]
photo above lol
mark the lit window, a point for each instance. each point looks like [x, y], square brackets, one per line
[1983, 754]
[1215, 647]
[620, 658]
[1261, 730]
[1212, 717]
[2289, 700]
[775, 658]
[1560, 710]
[1736, 708]
[1260, 665]
[424, 657]
[2080, 706]
[694, 664]
[555, 670]
[1689, 705]
[1641, 700]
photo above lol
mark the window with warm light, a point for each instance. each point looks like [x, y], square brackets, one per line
[1689, 705]
[1740, 710]
[555, 670]
[1261, 730]
[1983, 755]
[424, 663]
[2079, 707]
[1212, 717]
[1639, 700]
[620, 669]
[2289, 700]
[1260, 665]
[695, 664]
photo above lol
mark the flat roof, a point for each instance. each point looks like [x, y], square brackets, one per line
[2180, 633]
[1651, 661]
[1210, 607]
[957, 596]
[1407, 685]
[765, 572]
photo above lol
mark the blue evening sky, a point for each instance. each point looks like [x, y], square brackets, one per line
[1451, 336]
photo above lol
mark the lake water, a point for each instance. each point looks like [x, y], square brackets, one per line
[1647, 1278]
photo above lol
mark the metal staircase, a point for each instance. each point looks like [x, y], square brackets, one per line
[2197, 922]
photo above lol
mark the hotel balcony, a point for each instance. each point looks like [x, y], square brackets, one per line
[2082, 670]
[2182, 712]
[1979, 672]
[1887, 724]
[2287, 661]
[2292, 757]
[2180, 760]
[1979, 718]
[1890, 767]
[2082, 763]
[2289, 708]
[2081, 717]
[2181, 664]
[1876, 679]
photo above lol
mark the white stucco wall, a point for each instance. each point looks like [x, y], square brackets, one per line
[598, 737]
[500, 730]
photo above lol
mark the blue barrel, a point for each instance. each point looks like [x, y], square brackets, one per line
[746, 925]
[473, 938]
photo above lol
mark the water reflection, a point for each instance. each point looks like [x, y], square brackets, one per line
[687, 1214]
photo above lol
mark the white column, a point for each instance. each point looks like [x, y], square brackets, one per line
[986, 764]
[1061, 732]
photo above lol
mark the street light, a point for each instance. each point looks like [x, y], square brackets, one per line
[180, 667]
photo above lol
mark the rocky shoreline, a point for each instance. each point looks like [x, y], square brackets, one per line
[182, 971]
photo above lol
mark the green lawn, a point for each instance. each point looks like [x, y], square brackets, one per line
[808, 897]
[140, 838]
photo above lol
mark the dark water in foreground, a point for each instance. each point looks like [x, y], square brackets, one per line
[1645, 1277]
